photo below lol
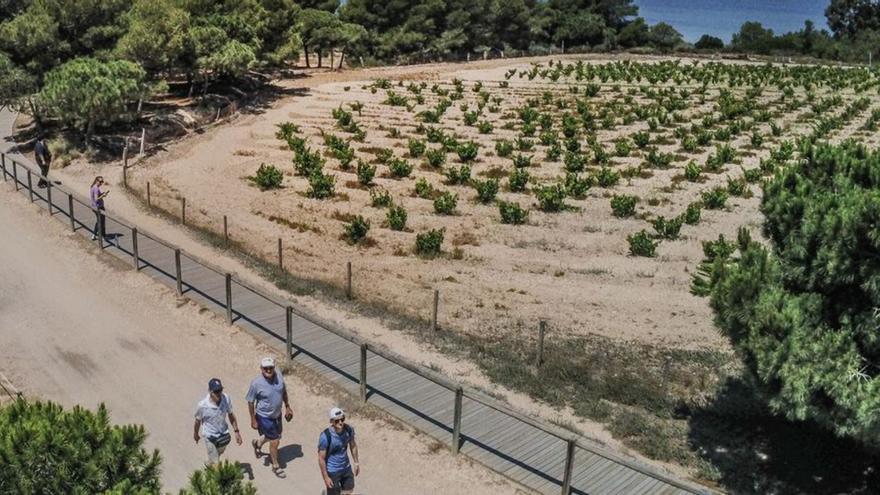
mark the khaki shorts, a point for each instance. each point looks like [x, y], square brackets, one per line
[214, 452]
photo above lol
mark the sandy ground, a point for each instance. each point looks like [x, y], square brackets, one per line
[77, 329]
[572, 268]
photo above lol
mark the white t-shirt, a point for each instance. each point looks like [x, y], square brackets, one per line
[213, 416]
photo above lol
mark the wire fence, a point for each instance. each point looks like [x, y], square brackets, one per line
[536, 454]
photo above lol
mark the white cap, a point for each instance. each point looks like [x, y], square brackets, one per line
[267, 362]
[336, 413]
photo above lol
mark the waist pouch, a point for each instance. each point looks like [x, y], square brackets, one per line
[221, 441]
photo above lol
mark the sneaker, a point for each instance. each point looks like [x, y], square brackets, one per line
[94, 237]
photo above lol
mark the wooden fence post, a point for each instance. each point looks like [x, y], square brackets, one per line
[177, 272]
[49, 195]
[288, 312]
[348, 292]
[70, 212]
[569, 465]
[280, 255]
[143, 140]
[30, 185]
[183, 211]
[15, 174]
[229, 298]
[542, 329]
[3, 165]
[149, 199]
[225, 231]
[363, 372]
[434, 310]
[135, 258]
[456, 421]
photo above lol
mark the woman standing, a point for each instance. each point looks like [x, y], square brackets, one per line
[97, 196]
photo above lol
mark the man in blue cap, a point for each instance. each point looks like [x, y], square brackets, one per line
[210, 422]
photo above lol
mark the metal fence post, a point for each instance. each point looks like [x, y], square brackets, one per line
[15, 174]
[183, 211]
[225, 231]
[3, 164]
[99, 236]
[149, 198]
[348, 292]
[70, 212]
[229, 298]
[280, 255]
[434, 310]
[456, 421]
[569, 465]
[30, 185]
[542, 328]
[288, 311]
[177, 272]
[135, 258]
[49, 196]
[363, 372]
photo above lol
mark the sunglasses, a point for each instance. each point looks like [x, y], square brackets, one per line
[340, 420]
[268, 368]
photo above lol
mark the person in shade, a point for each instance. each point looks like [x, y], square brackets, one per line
[97, 195]
[265, 397]
[43, 158]
[211, 413]
[333, 446]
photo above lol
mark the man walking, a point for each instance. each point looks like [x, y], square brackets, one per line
[264, 398]
[43, 159]
[333, 446]
[211, 415]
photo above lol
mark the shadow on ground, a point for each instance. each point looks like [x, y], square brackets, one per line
[758, 453]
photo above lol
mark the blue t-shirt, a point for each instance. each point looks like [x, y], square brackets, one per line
[337, 454]
[267, 396]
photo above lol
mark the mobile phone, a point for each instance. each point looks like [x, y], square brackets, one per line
[288, 417]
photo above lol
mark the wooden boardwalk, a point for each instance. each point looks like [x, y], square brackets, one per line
[523, 449]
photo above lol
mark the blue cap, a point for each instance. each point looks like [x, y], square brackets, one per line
[214, 385]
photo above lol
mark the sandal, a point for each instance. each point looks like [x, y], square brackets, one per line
[279, 472]
[257, 452]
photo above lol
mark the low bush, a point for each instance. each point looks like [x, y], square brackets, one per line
[485, 127]
[267, 177]
[642, 244]
[577, 186]
[380, 198]
[486, 190]
[622, 147]
[458, 175]
[307, 162]
[691, 215]
[503, 148]
[641, 139]
[430, 243]
[518, 179]
[357, 230]
[715, 198]
[365, 173]
[424, 189]
[286, 130]
[512, 213]
[737, 187]
[623, 205]
[467, 152]
[435, 158]
[692, 171]
[551, 197]
[400, 168]
[321, 185]
[396, 217]
[416, 148]
[607, 177]
[667, 228]
[574, 162]
[522, 161]
[445, 203]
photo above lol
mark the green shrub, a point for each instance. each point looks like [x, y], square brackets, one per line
[607, 177]
[757, 139]
[725, 153]
[380, 198]
[577, 187]
[752, 175]
[396, 217]
[458, 175]
[424, 189]
[357, 230]
[715, 198]
[737, 187]
[551, 197]
[467, 152]
[400, 168]
[667, 229]
[416, 148]
[306, 163]
[384, 155]
[365, 172]
[691, 215]
[435, 135]
[512, 213]
[486, 190]
[623, 205]
[226, 478]
[656, 159]
[641, 139]
[395, 100]
[435, 158]
[622, 147]
[430, 243]
[554, 151]
[445, 203]
[522, 161]
[470, 118]
[689, 144]
[485, 127]
[321, 185]
[548, 138]
[518, 179]
[267, 177]
[693, 171]
[503, 148]
[524, 144]
[600, 156]
[642, 244]
[343, 117]
[574, 162]
[286, 130]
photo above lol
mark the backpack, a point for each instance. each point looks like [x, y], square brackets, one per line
[329, 437]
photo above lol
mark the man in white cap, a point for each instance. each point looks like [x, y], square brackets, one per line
[210, 422]
[333, 446]
[264, 398]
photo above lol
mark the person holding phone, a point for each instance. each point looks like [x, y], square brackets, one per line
[211, 413]
[97, 195]
[265, 397]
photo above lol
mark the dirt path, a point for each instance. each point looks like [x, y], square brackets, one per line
[79, 330]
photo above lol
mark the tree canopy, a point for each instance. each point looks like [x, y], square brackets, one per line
[803, 312]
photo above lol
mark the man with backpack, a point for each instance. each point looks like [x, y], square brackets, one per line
[333, 446]
[210, 422]
[43, 159]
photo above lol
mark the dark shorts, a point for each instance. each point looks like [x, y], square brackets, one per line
[269, 427]
[343, 480]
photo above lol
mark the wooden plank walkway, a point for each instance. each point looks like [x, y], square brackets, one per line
[497, 438]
